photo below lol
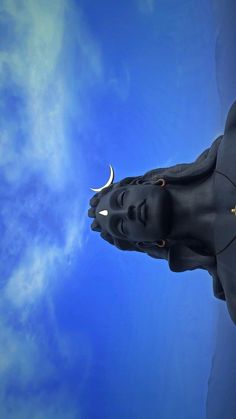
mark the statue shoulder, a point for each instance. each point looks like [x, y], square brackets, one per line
[188, 172]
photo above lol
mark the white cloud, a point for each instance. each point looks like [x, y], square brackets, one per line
[31, 64]
[34, 69]
[36, 153]
[31, 385]
[29, 279]
[42, 214]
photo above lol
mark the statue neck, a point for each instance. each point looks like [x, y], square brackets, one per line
[194, 213]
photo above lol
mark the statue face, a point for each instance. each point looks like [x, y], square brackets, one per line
[135, 212]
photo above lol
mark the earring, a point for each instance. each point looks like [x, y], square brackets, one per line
[161, 182]
[161, 243]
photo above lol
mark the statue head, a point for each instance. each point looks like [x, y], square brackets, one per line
[147, 214]
[133, 214]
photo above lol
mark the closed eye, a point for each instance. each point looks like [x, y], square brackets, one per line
[120, 199]
[122, 228]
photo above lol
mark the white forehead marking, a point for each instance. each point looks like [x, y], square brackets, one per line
[103, 212]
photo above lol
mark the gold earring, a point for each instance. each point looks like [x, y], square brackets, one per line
[162, 182]
[161, 243]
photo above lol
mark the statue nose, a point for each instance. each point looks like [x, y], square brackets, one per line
[129, 212]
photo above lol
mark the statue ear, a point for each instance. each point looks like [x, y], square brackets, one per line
[182, 258]
[153, 250]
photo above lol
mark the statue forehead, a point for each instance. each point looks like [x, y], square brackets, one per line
[103, 206]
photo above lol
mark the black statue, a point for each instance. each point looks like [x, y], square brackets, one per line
[185, 214]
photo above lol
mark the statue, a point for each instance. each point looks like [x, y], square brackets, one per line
[185, 214]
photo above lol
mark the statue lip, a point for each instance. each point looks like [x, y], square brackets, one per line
[142, 212]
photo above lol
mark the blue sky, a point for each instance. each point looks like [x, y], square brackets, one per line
[88, 331]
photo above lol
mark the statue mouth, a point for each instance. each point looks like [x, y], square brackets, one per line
[142, 212]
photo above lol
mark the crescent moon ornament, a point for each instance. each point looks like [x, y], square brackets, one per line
[109, 182]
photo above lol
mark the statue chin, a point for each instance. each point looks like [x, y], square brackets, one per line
[163, 214]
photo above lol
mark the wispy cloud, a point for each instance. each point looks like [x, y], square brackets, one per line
[42, 214]
[34, 384]
[30, 277]
[32, 86]
[119, 84]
